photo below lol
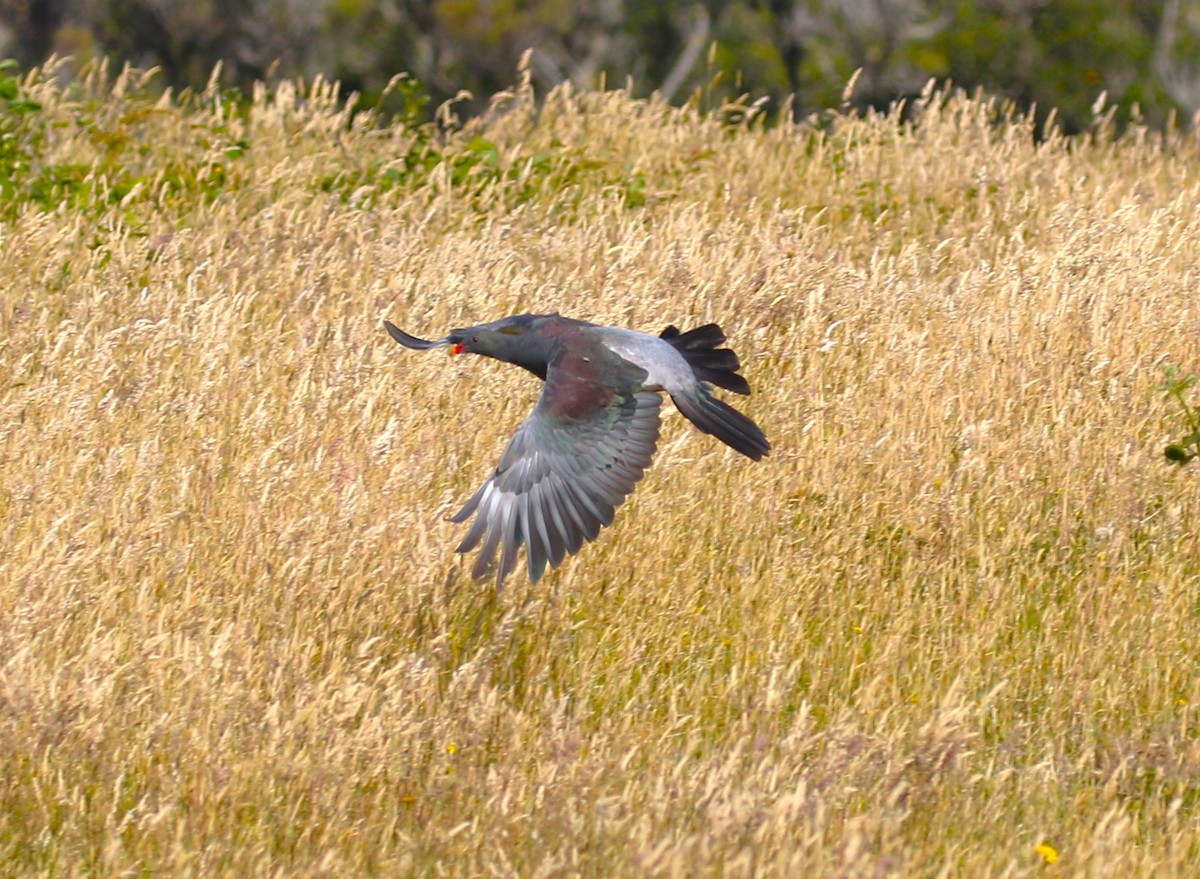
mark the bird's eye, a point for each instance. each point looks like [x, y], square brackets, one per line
[474, 340]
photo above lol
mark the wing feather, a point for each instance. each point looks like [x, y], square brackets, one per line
[570, 465]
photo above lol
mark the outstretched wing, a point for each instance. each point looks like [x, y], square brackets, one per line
[578, 455]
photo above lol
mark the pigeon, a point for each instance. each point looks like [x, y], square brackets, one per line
[593, 431]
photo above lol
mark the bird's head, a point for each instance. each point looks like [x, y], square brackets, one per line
[523, 340]
[501, 339]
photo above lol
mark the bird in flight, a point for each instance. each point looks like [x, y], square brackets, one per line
[593, 431]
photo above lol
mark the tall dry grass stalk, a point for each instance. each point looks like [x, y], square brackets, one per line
[953, 617]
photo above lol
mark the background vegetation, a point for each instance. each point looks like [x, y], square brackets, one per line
[1059, 54]
[949, 628]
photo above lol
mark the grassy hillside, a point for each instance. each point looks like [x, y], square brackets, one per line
[953, 618]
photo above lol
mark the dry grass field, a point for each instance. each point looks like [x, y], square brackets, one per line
[950, 628]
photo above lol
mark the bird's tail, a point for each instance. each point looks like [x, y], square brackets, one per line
[724, 422]
[717, 366]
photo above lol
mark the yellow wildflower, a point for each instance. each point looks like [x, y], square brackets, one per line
[1048, 852]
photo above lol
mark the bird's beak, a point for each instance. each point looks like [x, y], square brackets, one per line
[413, 342]
[457, 349]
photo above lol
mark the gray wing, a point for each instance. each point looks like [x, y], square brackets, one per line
[571, 464]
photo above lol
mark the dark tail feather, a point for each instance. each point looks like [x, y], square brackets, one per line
[717, 366]
[725, 423]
